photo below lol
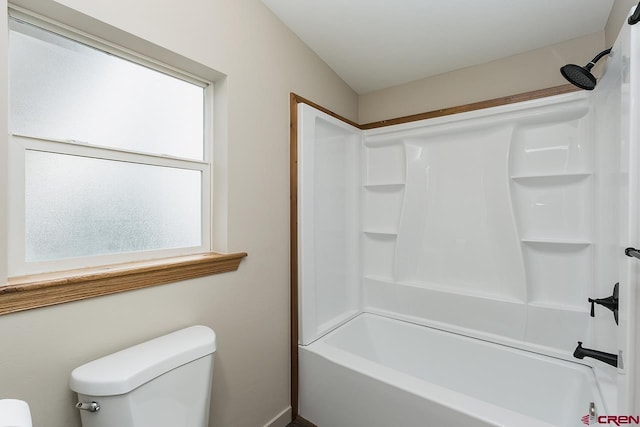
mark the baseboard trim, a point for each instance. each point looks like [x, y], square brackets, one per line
[281, 420]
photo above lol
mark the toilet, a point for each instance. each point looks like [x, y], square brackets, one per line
[14, 413]
[164, 382]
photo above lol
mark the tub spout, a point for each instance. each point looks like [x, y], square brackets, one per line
[581, 352]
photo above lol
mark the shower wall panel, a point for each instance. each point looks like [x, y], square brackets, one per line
[482, 223]
[329, 222]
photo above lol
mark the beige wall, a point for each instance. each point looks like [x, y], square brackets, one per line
[536, 69]
[248, 309]
[617, 18]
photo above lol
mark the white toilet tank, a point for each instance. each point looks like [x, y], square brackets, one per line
[165, 382]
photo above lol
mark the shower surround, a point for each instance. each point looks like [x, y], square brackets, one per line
[445, 265]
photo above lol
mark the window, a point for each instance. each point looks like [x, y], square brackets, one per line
[110, 165]
[110, 154]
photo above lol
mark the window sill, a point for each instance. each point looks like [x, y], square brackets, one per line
[27, 292]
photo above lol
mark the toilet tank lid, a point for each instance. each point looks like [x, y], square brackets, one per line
[121, 372]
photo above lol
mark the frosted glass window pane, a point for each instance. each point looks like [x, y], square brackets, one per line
[79, 206]
[62, 89]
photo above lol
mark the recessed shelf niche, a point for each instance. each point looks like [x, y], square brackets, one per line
[378, 255]
[384, 165]
[382, 205]
[554, 208]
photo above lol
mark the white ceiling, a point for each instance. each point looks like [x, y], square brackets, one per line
[374, 44]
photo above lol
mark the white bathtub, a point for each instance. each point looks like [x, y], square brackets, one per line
[380, 372]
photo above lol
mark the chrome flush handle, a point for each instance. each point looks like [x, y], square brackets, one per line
[91, 407]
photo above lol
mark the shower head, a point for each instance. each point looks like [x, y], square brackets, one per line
[581, 76]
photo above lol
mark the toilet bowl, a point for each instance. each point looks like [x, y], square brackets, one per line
[164, 382]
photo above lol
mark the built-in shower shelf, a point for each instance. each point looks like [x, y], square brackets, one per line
[390, 186]
[550, 305]
[380, 278]
[551, 176]
[381, 232]
[576, 242]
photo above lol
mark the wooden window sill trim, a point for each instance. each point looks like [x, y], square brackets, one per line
[41, 290]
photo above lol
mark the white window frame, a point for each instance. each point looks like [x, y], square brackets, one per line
[19, 144]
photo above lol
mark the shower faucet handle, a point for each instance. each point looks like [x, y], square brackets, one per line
[610, 302]
[632, 252]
